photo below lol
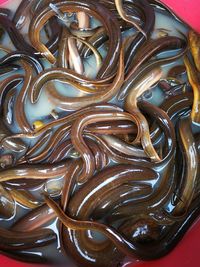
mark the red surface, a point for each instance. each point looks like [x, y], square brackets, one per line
[3, 1]
[186, 254]
[5, 261]
[188, 10]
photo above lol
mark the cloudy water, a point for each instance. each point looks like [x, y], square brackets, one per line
[43, 108]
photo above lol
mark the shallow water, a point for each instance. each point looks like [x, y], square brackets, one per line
[43, 108]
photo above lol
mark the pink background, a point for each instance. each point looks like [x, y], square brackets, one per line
[186, 254]
[188, 10]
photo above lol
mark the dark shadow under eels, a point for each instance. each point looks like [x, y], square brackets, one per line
[91, 8]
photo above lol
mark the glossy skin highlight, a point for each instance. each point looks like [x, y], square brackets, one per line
[91, 8]
[110, 174]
